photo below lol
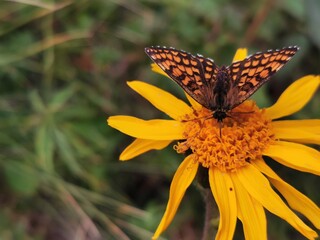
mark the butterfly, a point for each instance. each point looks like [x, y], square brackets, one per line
[220, 89]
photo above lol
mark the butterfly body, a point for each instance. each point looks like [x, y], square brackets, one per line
[219, 89]
[218, 101]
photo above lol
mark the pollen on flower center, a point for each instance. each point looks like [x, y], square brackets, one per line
[244, 136]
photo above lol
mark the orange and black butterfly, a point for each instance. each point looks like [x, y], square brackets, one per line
[220, 89]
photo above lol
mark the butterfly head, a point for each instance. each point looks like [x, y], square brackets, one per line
[219, 115]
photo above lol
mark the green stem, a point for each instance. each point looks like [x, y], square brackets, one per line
[211, 213]
[211, 209]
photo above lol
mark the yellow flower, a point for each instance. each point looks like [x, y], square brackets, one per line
[238, 176]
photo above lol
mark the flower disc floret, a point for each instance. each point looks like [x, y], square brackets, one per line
[244, 136]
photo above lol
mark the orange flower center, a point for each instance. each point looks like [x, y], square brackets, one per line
[244, 136]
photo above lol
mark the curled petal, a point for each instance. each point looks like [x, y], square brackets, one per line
[139, 146]
[295, 199]
[295, 155]
[161, 99]
[294, 97]
[147, 129]
[259, 188]
[181, 181]
[223, 191]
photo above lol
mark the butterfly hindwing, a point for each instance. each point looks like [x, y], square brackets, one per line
[194, 74]
[251, 73]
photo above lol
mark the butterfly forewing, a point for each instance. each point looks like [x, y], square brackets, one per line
[248, 75]
[194, 74]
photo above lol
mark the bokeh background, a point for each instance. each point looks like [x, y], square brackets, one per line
[63, 70]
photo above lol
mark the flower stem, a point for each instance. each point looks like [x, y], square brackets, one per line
[211, 209]
[211, 213]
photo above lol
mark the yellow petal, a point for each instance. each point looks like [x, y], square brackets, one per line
[295, 199]
[295, 155]
[294, 97]
[223, 191]
[259, 188]
[181, 181]
[161, 99]
[193, 102]
[296, 133]
[157, 69]
[150, 129]
[139, 146]
[309, 125]
[241, 54]
[251, 213]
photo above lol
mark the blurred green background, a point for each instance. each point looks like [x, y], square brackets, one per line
[63, 70]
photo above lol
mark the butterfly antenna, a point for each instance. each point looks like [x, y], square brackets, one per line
[234, 119]
[199, 118]
[242, 112]
[232, 114]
